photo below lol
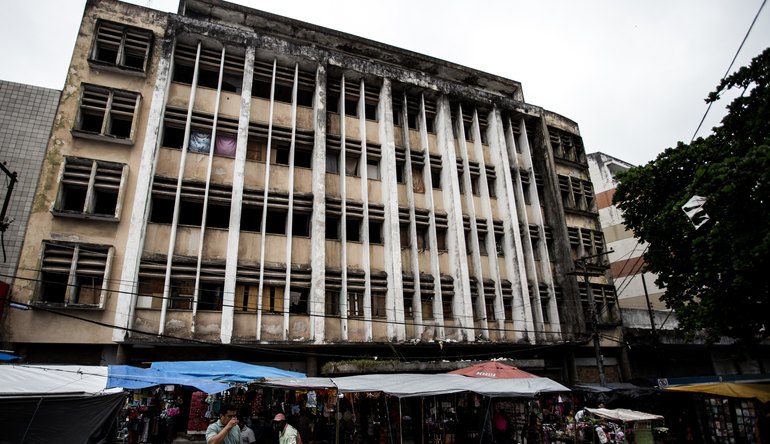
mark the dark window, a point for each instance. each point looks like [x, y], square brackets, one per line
[441, 239]
[332, 227]
[73, 273]
[276, 222]
[499, 238]
[332, 303]
[106, 112]
[281, 154]
[90, 187]
[251, 218]
[375, 231]
[173, 137]
[435, 177]
[333, 161]
[121, 46]
[370, 110]
[298, 298]
[491, 187]
[210, 296]
[303, 157]
[301, 224]
[353, 230]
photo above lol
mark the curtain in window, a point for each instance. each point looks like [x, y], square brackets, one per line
[225, 146]
[199, 142]
[332, 163]
[351, 166]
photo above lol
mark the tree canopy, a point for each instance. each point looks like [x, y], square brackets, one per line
[716, 276]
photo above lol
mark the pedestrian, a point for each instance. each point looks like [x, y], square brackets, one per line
[762, 427]
[247, 435]
[286, 433]
[225, 430]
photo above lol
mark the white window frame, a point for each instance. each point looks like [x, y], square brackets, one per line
[95, 176]
[113, 105]
[123, 40]
[84, 261]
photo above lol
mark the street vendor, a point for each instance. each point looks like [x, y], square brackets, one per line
[286, 433]
[225, 430]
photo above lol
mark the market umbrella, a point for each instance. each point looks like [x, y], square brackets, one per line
[729, 389]
[493, 370]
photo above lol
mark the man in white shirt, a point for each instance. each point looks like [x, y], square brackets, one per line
[247, 435]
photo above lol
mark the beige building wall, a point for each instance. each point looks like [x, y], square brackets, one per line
[340, 198]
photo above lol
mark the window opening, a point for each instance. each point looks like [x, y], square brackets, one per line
[276, 222]
[301, 224]
[298, 300]
[61, 282]
[122, 46]
[90, 187]
[332, 228]
[106, 112]
[353, 230]
[375, 232]
[373, 169]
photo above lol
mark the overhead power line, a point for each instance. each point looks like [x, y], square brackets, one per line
[730, 67]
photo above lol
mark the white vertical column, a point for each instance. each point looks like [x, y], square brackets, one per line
[458, 261]
[364, 176]
[394, 299]
[137, 229]
[486, 209]
[202, 235]
[317, 303]
[177, 197]
[466, 302]
[413, 254]
[343, 217]
[234, 230]
[263, 224]
[290, 214]
[545, 268]
[438, 297]
[500, 148]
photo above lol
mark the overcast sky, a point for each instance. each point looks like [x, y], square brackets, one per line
[632, 74]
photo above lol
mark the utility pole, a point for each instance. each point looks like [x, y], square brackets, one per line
[3, 224]
[649, 309]
[583, 262]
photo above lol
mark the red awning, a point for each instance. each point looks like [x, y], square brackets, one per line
[494, 370]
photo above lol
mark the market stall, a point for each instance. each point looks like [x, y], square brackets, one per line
[418, 408]
[727, 410]
[609, 426]
[40, 401]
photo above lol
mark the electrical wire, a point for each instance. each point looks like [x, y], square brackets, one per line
[269, 349]
[730, 67]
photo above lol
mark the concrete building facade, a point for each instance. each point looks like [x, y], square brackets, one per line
[26, 114]
[231, 177]
[637, 292]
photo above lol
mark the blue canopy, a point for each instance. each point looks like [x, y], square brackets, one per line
[7, 357]
[224, 371]
[129, 377]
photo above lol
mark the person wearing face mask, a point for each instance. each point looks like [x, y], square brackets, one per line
[225, 430]
[286, 433]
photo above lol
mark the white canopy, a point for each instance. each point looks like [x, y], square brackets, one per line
[27, 380]
[304, 383]
[624, 415]
[409, 384]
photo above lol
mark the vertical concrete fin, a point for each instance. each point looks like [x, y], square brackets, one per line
[239, 169]
[317, 302]
[127, 294]
[394, 300]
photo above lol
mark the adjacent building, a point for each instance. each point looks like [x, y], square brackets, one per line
[295, 195]
[26, 114]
